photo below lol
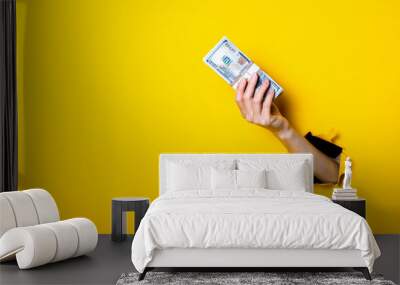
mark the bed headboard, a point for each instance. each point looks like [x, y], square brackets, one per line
[164, 158]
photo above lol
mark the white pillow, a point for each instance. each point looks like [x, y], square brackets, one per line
[251, 178]
[281, 174]
[192, 174]
[237, 179]
[293, 179]
[223, 179]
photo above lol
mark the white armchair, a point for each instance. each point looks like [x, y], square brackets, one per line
[31, 230]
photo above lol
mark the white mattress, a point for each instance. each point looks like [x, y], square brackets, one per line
[250, 219]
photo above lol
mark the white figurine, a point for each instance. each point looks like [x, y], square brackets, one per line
[347, 174]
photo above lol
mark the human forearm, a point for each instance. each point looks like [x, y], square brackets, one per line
[325, 168]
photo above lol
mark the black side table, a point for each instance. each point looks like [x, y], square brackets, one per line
[119, 208]
[357, 205]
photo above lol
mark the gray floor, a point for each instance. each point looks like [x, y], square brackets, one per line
[110, 260]
[389, 262]
[103, 266]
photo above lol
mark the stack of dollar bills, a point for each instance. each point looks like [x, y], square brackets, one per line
[344, 194]
[233, 65]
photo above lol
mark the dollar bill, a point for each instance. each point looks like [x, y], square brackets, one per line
[233, 65]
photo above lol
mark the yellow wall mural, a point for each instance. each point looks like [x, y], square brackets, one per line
[105, 86]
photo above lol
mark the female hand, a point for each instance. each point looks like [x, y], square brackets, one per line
[257, 106]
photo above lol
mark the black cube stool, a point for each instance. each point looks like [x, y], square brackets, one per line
[119, 208]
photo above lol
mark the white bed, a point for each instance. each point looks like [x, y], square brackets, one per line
[249, 227]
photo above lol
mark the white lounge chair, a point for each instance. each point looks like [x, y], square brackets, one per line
[31, 230]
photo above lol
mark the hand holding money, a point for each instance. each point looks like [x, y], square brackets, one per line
[256, 106]
[233, 65]
[255, 88]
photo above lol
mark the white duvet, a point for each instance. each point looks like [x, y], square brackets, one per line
[250, 219]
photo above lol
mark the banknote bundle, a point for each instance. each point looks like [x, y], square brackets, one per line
[233, 65]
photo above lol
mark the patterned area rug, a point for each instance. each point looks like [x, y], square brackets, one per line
[269, 278]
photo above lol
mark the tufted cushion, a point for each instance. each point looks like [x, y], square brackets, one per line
[26, 208]
[23, 208]
[67, 240]
[7, 220]
[46, 207]
[37, 245]
[32, 246]
[87, 233]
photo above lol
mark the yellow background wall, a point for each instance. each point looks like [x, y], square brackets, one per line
[105, 86]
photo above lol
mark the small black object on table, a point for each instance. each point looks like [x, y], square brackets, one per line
[356, 205]
[119, 208]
